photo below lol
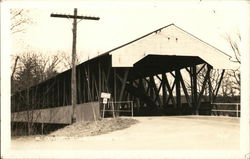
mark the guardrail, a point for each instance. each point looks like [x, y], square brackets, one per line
[237, 110]
[111, 108]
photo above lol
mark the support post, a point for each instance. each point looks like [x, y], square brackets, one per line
[178, 91]
[58, 93]
[132, 108]
[123, 83]
[170, 90]
[151, 87]
[210, 90]
[63, 94]
[216, 93]
[237, 110]
[115, 89]
[194, 87]
[164, 91]
[99, 80]
[42, 127]
[185, 91]
[107, 79]
[113, 109]
[156, 92]
[88, 83]
[115, 85]
[202, 89]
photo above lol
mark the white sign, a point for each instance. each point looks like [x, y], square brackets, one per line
[105, 100]
[105, 95]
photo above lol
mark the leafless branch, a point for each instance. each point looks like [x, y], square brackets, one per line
[19, 18]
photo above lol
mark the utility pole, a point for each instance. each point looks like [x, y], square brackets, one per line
[73, 74]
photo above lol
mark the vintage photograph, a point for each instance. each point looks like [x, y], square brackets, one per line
[126, 76]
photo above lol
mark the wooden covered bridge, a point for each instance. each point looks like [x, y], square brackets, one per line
[149, 71]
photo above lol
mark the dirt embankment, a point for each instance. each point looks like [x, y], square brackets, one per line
[82, 129]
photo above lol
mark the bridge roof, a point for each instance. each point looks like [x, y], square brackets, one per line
[169, 40]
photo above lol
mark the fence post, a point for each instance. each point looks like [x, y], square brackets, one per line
[237, 111]
[113, 109]
[42, 127]
[103, 110]
[212, 113]
[132, 109]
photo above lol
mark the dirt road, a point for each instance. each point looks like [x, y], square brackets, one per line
[153, 133]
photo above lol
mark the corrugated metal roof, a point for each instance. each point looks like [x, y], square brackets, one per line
[169, 40]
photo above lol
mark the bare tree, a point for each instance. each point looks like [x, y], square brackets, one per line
[19, 20]
[32, 69]
[234, 44]
[66, 60]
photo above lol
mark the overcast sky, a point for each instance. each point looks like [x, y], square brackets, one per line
[122, 22]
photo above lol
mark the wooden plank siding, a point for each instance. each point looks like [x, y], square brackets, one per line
[59, 115]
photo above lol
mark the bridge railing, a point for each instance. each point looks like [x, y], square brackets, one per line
[216, 108]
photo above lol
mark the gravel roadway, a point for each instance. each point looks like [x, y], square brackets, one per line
[151, 133]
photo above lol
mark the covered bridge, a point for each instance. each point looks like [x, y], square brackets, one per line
[147, 71]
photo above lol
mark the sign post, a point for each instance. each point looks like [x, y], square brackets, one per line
[105, 97]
